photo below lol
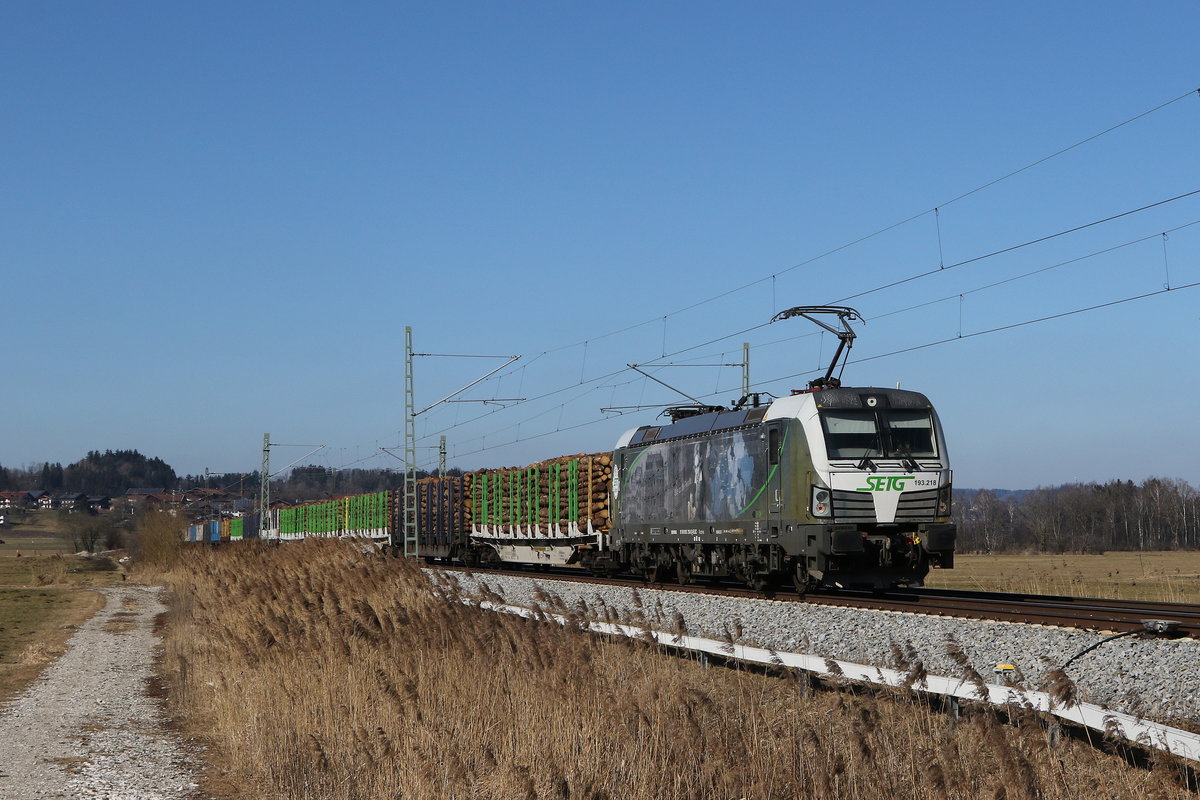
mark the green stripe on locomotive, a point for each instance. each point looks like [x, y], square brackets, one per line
[746, 474]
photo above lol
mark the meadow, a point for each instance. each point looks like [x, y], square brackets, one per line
[321, 670]
[32, 533]
[44, 596]
[1167, 576]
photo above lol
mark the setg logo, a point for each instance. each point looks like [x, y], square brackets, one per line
[886, 483]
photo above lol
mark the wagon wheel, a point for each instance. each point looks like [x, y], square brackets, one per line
[490, 559]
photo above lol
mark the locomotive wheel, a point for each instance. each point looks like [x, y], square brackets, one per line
[801, 581]
[683, 573]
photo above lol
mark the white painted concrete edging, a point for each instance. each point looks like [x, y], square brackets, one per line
[1151, 734]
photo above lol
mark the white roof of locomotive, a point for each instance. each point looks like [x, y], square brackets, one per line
[790, 407]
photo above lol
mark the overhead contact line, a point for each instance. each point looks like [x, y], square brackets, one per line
[926, 345]
[941, 268]
[933, 210]
[1011, 248]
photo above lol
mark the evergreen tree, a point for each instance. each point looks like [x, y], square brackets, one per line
[114, 472]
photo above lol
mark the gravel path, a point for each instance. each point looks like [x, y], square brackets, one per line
[87, 727]
[1154, 678]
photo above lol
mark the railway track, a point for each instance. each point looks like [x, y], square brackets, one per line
[1105, 615]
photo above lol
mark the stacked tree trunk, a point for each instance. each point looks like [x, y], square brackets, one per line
[440, 506]
[543, 494]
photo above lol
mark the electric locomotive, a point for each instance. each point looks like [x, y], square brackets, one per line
[830, 487]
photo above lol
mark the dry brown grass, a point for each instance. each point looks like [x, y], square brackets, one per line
[157, 543]
[43, 599]
[34, 533]
[1166, 576]
[45, 595]
[317, 671]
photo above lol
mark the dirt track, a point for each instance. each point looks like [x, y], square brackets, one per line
[87, 728]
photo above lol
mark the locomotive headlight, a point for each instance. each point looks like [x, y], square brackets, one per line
[821, 507]
[943, 506]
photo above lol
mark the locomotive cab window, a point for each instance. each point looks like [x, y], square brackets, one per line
[911, 433]
[851, 434]
[878, 434]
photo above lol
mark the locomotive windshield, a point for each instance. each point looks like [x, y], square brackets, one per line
[879, 434]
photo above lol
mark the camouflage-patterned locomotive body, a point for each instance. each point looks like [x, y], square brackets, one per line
[833, 487]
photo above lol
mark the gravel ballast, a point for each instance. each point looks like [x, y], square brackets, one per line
[1152, 678]
[87, 727]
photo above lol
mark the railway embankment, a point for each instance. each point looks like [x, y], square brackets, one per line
[1148, 677]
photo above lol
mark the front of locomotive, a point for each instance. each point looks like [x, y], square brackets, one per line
[879, 483]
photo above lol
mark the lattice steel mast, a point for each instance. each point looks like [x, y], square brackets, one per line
[409, 532]
[264, 488]
[745, 369]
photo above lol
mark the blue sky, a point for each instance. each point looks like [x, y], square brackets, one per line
[217, 219]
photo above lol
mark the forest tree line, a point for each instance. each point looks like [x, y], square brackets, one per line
[112, 473]
[1158, 514]
[312, 482]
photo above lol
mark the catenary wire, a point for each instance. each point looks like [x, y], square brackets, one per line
[772, 277]
[657, 360]
[887, 228]
[864, 359]
[662, 318]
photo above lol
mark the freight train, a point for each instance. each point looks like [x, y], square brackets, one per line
[830, 487]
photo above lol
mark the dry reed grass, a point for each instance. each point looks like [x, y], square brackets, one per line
[157, 544]
[1172, 577]
[316, 670]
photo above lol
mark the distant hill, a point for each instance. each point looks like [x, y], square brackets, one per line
[114, 472]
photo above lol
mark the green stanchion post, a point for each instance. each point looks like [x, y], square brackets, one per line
[573, 489]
